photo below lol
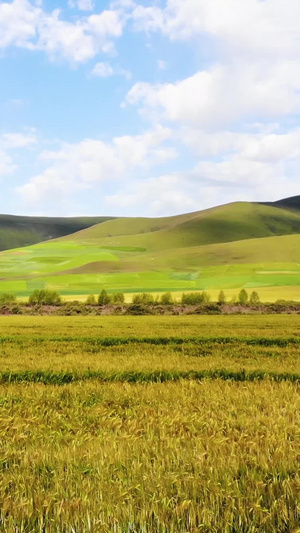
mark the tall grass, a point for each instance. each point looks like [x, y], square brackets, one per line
[61, 378]
[171, 458]
[131, 426]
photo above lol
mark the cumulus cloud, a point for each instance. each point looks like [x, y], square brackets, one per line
[27, 25]
[102, 70]
[105, 70]
[157, 196]
[17, 140]
[83, 5]
[77, 166]
[10, 142]
[223, 94]
[231, 166]
[269, 26]
[257, 72]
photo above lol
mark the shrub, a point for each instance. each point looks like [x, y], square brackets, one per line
[7, 298]
[207, 309]
[91, 300]
[103, 298]
[166, 298]
[144, 298]
[195, 298]
[254, 298]
[139, 309]
[118, 298]
[44, 297]
[243, 297]
[221, 298]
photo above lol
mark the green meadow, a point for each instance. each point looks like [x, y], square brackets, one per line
[75, 269]
[242, 245]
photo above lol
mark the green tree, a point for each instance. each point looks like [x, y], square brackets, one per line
[254, 298]
[91, 300]
[44, 297]
[221, 298]
[195, 298]
[103, 298]
[118, 298]
[144, 298]
[7, 298]
[205, 297]
[243, 297]
[166, 298]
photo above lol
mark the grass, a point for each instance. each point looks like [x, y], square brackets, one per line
[18, 231]
[231, 222]
[149, 424]
[99, 327]
[181, 253]
[173, 457]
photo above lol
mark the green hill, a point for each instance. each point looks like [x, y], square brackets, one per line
[231, 246]
[226, 223]
[16, 231]
[292, 203]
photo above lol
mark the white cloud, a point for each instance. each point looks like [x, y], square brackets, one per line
[18, 21]
[82, 165]
[266, 165]
[232, 166]
[85, 5]
[17, 140]
[223, 94]
[256, 76]
[26, 25]
[161, 64]
[260, 27]
[12, 142]
[102, 70]
[156, 196]
[6, 164]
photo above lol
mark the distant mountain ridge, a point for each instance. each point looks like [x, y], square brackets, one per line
[226, 223]
[293, 202]
[17, 231]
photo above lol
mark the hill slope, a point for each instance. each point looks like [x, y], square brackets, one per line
[292, 203]
[226, 223]
[16, 231]
[231, 246]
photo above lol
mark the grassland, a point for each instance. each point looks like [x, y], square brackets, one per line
[18, 231]
[242, 245]
[75, 269]
[149, 424]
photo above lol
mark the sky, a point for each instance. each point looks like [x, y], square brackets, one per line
[147, 108]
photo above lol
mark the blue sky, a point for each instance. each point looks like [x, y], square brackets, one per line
[132, 107]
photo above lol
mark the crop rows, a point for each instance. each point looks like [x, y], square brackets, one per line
[150, 426]
[215, 456]
[158, 341]
[61, 378]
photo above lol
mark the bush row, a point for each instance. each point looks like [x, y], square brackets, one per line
[47, 297]
[43, 301]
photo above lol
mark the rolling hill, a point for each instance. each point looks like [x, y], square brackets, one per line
[292, 203]
[231, 246]
[16, 231]
[226, 223]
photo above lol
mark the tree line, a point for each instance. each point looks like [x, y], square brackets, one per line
[48, 297]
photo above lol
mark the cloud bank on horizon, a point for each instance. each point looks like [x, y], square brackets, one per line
[137, 107]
